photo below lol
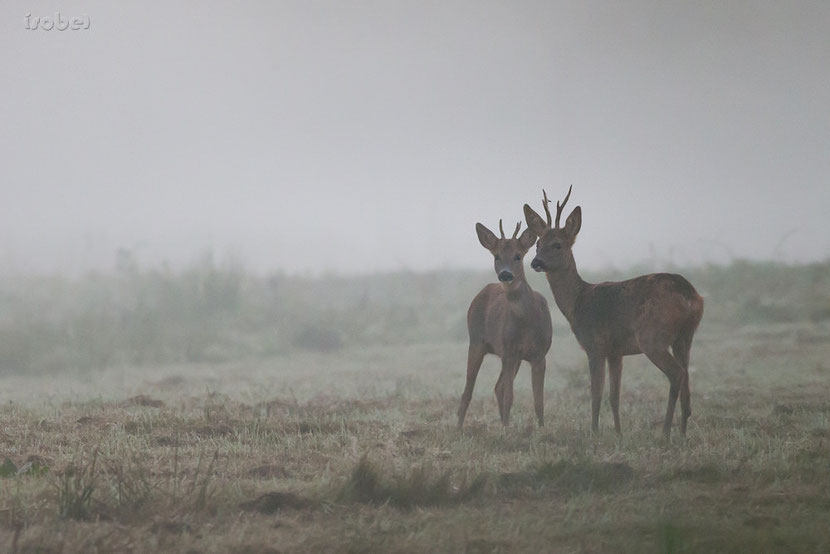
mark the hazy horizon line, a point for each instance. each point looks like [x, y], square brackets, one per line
[230, 261]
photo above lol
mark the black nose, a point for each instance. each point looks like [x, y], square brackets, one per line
[505, 276]
[537, 264]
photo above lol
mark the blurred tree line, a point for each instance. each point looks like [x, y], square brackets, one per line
[209, 312]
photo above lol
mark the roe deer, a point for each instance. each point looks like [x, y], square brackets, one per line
[508, 319]
[644, 315]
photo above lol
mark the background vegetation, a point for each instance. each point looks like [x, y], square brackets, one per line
[212, 312]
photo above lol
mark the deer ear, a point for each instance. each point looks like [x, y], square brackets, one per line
[527, 238]
[486, 237]
[534, 221]
[574, 222]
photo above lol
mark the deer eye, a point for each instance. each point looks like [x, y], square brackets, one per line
[556, 245]
[518, 257]
[497, 257]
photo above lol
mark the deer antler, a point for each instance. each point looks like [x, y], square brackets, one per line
[501, 229]
[516, 232]
[560, 208]
[545, 203]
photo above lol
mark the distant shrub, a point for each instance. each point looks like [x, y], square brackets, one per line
[820, 312]
[318, 338]
[755, 309]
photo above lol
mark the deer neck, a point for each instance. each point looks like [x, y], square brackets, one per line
[518, 293]
[566, 286]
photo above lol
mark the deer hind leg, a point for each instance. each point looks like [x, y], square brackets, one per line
[537, 372]
[676, 374]
[504, 387]
[596, 365]
[681, 350]
[475, 355]
[615, 376]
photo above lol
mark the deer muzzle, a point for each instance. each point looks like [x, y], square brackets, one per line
[537, 265]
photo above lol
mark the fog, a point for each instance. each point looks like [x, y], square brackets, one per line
[363, 136]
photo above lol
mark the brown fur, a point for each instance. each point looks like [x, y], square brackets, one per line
[646, 315]
[510, 320]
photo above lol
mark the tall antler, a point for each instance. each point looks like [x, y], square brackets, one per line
[560, 208]
[545, 203]
[516, 232]
[501, 229]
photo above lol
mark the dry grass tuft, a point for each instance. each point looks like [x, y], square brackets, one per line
[706, 473]
[568, 476]
[75, 487]
[143, 400]
[367, 485]
[273, 502]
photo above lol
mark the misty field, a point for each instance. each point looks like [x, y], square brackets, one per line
[210, 410]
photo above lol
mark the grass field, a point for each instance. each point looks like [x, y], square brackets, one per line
[352, 447]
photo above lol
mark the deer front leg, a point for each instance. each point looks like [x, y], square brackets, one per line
[615, 376]
[537, 377]
[475, 355]
[596, 366]
[504, 388]
[499, 394]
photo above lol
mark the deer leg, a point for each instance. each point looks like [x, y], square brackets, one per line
[499, 388]
[615, 376]
[676, 375]
[475, 355]
[596, 365]
[681, 350]
[508, 373]
[537, 376]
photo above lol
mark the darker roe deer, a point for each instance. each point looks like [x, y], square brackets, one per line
[647, 314]
[508, 319]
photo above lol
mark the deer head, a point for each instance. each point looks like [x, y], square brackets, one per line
[507, 253]
[553, 250]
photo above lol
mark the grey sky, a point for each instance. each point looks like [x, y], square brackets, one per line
[360, 136]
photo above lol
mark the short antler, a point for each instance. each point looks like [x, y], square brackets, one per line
[545, 203]
[560, 208]
[515, 233]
